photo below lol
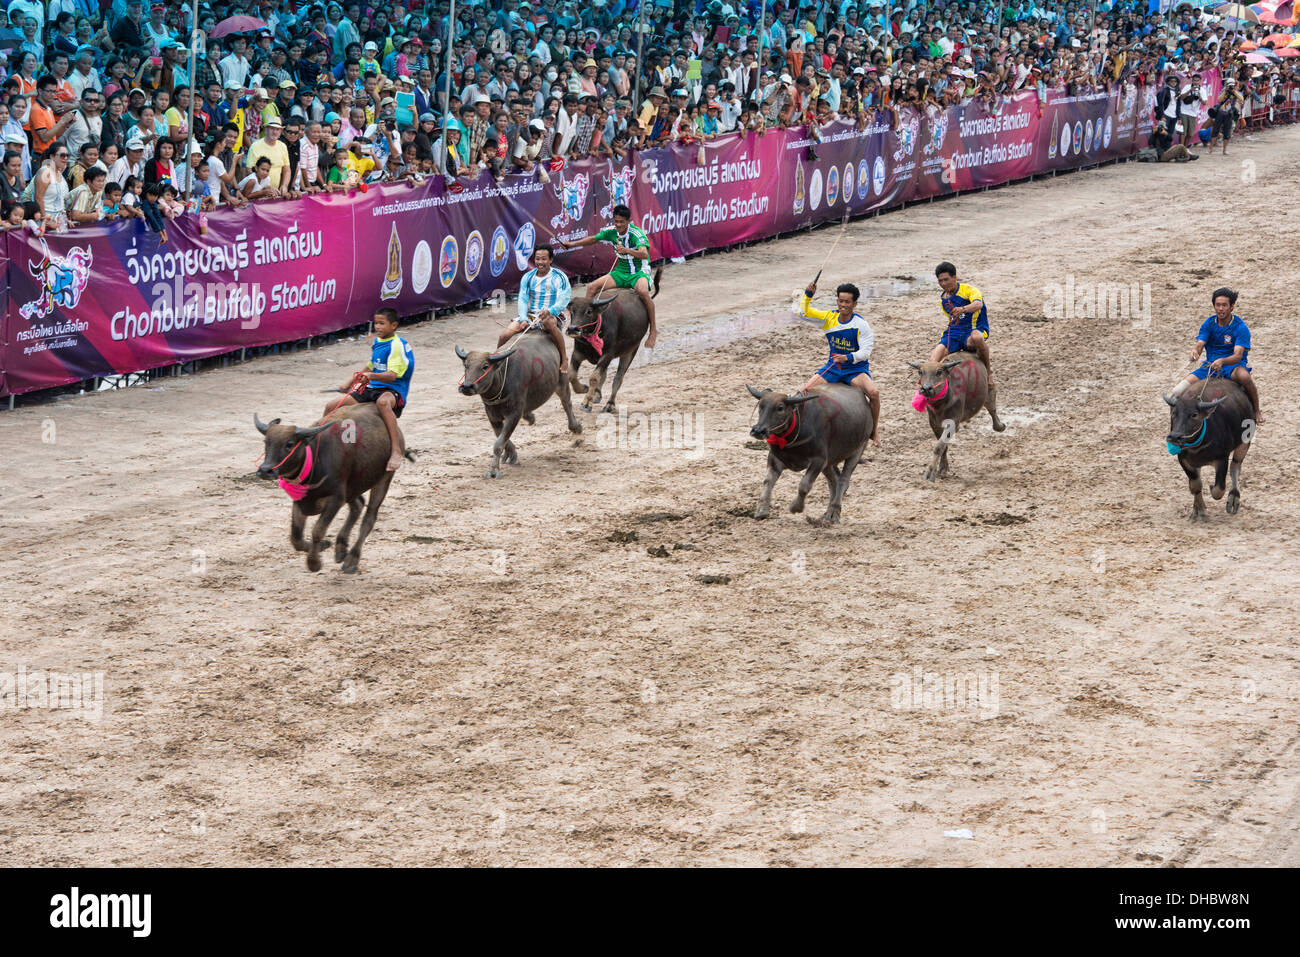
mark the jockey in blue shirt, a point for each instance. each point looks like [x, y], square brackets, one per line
[544, 297]
[1224, 338]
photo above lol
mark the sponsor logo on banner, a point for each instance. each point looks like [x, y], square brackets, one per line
[938, 133]
[848, 182]
[906, 133]
[392, 286]
[815, 190]
[1078, 136]
[864, 177]
[500, 251]
[473, 255]
[878, 176]
[524, 240]
[1105, 140]
[421, 267]
[1087, 135]
[62, 279]
[448, 260]
[832, 185]
[1065, 140]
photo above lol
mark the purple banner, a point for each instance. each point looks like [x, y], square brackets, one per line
[103, 300]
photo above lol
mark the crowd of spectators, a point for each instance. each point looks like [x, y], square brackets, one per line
[329, 97]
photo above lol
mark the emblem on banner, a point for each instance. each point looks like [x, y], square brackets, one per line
[938, 133]
[864, 177]
[1078, 136]
[63, 279]
[797, 205]
[473, 255]
[524, 240]
[848, 182]
[1096, 135]
[499, 252]
[878, 176]
[619, 186]
[906, 132]
[1087, 135]
[1105, 139]
[392, 286]
[1065, 140]
[448, 260]
[1051, 144]
[421, 267]
[832, 185]
[815, 190]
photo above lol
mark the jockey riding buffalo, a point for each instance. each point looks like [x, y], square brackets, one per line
[1206, 426]
[512, 384]
[952, 391]
[816, 432]
[324, 467]
[603, 330]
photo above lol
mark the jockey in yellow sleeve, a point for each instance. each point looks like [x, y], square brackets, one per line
[850, 339]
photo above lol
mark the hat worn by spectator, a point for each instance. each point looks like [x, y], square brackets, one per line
[135, 143]
[274, 121]
[428, 118]
[657, 91]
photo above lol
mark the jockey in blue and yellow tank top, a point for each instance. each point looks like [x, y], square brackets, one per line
[968, 318]
[850, 339]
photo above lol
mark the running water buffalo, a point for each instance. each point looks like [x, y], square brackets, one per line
[512, 384]
[324, 467]
[816, 432]
[1206, 426]
[603, 330]
[952, 391]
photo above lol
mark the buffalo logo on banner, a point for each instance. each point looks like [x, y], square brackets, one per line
[848, 182]
[619, 186]
[815, 190]
[938, 133]
[448, 260]
[63, 279]
[524, 240]
[864, 177]
[473, 255]
[573, 199]
[878, 176]
[906, 133]
[499, 252]
[832, 185]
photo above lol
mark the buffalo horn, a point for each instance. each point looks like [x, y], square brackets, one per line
[307, 433]
[951, 364]
[1203, 406]
[603, 301]
[261, 426]
[915, 365]
[498, 356]
[799, 399]
[1167, 399]
[754, 392]
[461, 354]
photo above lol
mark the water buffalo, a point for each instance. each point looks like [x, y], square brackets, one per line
[512, 384]
[952, 391]
[1206, 426]
[603, 330]
[816, 432]
[324, 467]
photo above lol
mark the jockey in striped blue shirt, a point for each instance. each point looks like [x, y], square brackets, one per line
[544, 295]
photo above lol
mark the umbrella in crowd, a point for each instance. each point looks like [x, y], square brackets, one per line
[1288, 52]
[236, 25]
[1275, 11]
[1279, 40]
[1248, 45]
[1236, 11]
[1257, 58]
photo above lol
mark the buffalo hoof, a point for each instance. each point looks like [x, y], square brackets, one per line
[796, 506]
[999, 425]
[1198, 513]
[352, 565]
[530, 418]
[340, 552]
[763, 511]
[511, 458]
[575, 426]
[585, 407]
[492, 473]
[931, 475]
[313, 563]
[610, 407]
[1216, 492]
[829, 518]
[1233, 503]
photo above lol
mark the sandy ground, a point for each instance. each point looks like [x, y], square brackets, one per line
[515, 678]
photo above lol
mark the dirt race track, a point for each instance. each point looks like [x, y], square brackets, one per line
[514, 677]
